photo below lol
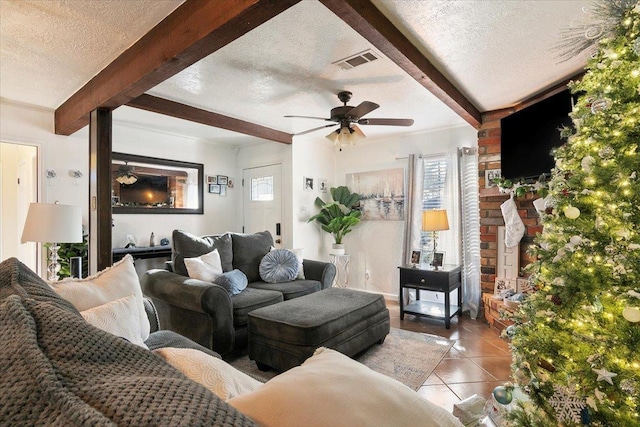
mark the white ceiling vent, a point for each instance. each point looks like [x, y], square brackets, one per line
[357, 59]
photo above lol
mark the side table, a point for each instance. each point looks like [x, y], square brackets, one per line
[342, 269]
[445, 280]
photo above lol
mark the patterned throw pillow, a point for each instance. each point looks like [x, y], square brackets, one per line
[206, 267]
[119, 317]
[279, 265]
[115, 282]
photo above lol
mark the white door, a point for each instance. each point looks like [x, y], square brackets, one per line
[262, 201]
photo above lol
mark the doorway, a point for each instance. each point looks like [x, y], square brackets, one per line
[262, 201]
[18, 189]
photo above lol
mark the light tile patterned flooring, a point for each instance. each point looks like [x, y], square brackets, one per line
[478, 362]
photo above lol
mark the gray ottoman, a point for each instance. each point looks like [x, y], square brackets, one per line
[285, 334]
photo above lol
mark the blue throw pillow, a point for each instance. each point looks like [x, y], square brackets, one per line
[233, 281]
[279, 265]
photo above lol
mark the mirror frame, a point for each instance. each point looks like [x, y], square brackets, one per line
[157, 162]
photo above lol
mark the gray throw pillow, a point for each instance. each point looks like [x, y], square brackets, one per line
[279, 265]
[187, 245]
[248, 250]
[233, 281]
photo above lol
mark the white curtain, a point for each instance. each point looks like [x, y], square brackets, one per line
[471, 288]
[413, 212]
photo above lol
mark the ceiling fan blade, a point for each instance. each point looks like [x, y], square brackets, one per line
[364, 108]
[311, 117]
[313, 130]
[386, 122]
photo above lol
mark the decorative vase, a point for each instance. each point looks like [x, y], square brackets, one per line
[337, 249]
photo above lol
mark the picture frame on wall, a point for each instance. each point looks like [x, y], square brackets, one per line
[223, 190]
[214, 188]
[212, 179]
[503, 287]
[438, 259]
[222, 179]
[490, 175]
[308, 183]
[322, 185]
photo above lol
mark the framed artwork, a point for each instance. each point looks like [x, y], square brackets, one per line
[212, 179]
[308, 184]
[382, 194]
[490, 175]
[503, 287]
[438, 259]
[415, 257]
[223, 190]
[214, 188]
[222, 180]
[322, 185]
[230, 183]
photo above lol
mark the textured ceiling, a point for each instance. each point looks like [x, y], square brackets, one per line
[495, 52]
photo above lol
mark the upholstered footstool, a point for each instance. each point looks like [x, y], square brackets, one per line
[285, 334]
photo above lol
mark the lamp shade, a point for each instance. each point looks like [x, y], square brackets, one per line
[53, 223]
[435, 220]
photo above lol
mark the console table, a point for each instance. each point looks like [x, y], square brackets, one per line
[142, 252]
[445, 280]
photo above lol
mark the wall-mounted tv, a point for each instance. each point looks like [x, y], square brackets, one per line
[529, 135]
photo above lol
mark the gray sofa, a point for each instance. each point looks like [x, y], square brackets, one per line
[205, 312]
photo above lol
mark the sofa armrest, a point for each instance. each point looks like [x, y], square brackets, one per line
[152, 314]
[323, 272]
[201, 311]
[161, 339]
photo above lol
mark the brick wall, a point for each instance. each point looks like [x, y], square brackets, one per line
[491, 199]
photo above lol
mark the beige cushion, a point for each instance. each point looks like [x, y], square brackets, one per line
[205, 267]
[119, 317]
[117, 281]
[218, 376]
[330, 389]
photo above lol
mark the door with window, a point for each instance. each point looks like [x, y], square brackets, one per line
[262, 201]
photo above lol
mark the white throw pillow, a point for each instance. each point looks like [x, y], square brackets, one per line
[330, 389]
[118, 281]
[205, 267]
[218, 376]
[119, 317]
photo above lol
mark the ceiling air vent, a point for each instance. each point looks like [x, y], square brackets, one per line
[357, 59]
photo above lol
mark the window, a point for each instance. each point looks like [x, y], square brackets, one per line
[433, 194]
[262, 189]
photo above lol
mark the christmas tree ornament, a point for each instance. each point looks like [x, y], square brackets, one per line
[632, 314]
[556, 300]
[571, 212]
[606, 153]
[636, 46]
[587, 163]
[604, 375]
[567, 406]
[628, 387]
[510, 331]
[600, 105]
[503, 395]
[584, 416]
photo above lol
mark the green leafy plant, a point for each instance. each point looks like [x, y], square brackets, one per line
[70, 250]
[339, 216]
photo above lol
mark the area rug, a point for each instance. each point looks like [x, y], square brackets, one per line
[409, 357]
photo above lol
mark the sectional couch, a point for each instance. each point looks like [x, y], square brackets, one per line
[206, 312]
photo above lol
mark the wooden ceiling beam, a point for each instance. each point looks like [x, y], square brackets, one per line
[367, 20]
[193, 114]
[193, 31]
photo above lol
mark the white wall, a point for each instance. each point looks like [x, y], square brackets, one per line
[376, 246]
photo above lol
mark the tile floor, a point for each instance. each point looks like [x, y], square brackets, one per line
[478, 362]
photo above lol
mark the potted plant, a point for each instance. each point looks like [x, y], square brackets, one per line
[339, 216]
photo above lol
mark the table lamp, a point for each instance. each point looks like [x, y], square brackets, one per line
[53, 223]
[434, 220]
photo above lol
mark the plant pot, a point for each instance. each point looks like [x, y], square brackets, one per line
[337, 249]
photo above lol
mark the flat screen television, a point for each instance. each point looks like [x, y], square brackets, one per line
[147, 190]
[529, 135]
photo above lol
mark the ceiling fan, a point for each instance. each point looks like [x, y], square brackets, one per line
[348, 117]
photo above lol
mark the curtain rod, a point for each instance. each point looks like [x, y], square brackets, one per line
[461, 150]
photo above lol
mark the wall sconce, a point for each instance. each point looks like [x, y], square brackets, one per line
[76, 175]
[50, 174]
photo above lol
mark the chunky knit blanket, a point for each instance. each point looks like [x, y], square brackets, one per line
[57, 370]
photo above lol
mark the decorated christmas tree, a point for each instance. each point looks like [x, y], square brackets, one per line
[576, 340]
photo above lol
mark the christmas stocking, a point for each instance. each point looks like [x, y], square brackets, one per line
[514, 225]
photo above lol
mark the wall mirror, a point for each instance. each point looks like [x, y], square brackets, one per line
[148, 185]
